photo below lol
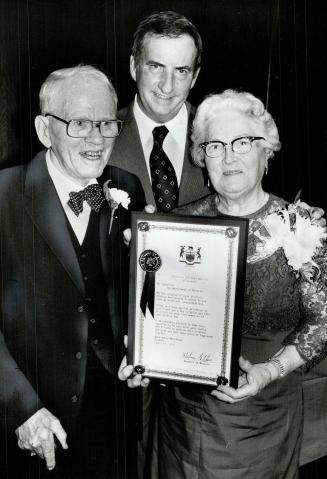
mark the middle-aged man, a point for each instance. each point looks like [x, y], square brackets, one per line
[154, 143]
[62, 309]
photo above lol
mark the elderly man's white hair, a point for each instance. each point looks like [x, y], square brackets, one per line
[50, 89]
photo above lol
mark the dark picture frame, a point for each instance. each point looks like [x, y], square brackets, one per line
[187, 277]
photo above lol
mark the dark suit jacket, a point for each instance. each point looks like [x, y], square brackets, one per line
[128, 154]
[44, 320]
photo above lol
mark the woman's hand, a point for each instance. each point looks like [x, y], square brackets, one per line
[316, 214]
[253, 378]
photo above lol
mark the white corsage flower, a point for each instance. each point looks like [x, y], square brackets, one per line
[291, 228]
[115, 197]
[302, 242]
[277, 230]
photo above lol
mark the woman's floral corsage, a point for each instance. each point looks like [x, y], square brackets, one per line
[290, 228]
[115, 197]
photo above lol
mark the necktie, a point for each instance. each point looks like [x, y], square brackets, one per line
[92, 194]
[164, 181]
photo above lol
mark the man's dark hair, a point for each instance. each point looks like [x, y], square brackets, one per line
[166, 24]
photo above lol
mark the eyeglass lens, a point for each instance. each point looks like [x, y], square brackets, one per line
[217, 148]
[82, 128]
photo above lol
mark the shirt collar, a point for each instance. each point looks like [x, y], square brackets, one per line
[63, 184]
[177, 126]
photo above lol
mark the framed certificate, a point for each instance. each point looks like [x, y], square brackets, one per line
[186, 297]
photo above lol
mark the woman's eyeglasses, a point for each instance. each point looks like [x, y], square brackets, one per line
[217, 148]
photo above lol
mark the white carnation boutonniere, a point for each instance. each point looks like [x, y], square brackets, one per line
[291, 228]
[115, 198]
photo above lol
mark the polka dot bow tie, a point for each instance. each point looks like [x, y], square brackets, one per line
[92, 194]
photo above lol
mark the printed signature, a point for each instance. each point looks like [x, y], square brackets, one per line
[190, 356]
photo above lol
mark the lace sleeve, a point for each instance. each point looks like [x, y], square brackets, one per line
[310, 337]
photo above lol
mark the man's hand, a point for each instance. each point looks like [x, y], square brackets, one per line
[127, 234]
[316, 214]
[37, 436]
[125, 373]
[133, 381]
[150, 209]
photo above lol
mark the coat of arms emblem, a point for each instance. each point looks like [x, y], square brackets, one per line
[190, 254]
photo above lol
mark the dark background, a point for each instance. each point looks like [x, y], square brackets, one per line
[272, 48]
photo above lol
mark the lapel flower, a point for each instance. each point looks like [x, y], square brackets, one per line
[115, 197]
[291, 228]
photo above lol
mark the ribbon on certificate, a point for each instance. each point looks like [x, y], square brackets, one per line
[150, 262]
[148, 292]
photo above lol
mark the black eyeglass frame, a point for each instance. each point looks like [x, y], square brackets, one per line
[96, 123]
[231, 143]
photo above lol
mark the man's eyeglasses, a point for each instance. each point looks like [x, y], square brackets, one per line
[82, 128]
[216, 148]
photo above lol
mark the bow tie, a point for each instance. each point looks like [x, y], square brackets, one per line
[92, 194]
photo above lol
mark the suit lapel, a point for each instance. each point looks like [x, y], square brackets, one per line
[128, 151]
[187, 179]
[130, 148]
[110, 259]
[43, 205]
[105, 214]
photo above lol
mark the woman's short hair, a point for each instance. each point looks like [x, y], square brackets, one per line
[50, 89]
[242, 102]
[166, 24]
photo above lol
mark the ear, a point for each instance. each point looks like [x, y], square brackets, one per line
[195, 76]
[42, 130]
[132, 67]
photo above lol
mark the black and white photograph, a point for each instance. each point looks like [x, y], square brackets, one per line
[141, 349]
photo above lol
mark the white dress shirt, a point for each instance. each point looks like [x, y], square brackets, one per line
[174, 143]
[64, 186]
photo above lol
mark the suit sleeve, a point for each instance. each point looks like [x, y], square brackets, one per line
[18, 399]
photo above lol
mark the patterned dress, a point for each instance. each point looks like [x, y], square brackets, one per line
[199, 437]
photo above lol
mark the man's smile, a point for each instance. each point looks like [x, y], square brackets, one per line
[232, 172]
[91, 155]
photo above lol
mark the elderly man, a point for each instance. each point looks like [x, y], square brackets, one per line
[154, 144]
[61, 289]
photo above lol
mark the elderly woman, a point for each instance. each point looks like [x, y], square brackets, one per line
[254, 431]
